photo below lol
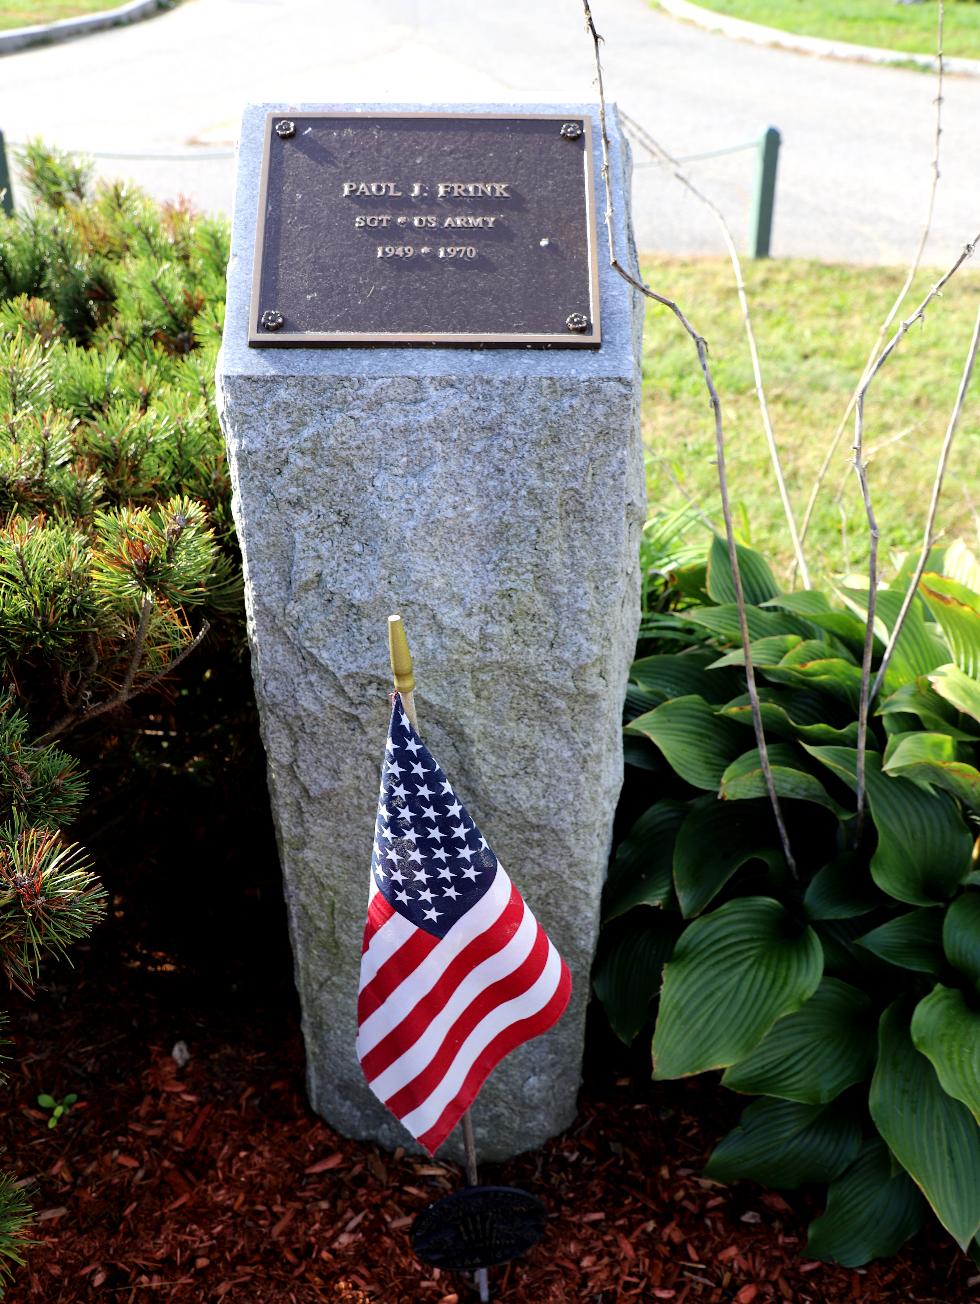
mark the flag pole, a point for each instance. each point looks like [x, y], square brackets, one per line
[402, 671]
[403, 674]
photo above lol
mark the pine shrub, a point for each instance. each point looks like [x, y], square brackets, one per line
[117, 552]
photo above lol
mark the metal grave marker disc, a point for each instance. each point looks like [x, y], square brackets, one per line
[478, 1227]
[418, 228]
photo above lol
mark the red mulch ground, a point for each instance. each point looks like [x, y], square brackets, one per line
[215, 1182]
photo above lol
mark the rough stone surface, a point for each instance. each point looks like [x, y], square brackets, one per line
[495, 499]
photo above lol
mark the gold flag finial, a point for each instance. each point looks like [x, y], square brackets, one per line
[401, 658]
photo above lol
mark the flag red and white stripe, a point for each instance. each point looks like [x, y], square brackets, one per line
[442, 1000]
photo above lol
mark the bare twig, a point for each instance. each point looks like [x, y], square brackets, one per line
[644, 138]
[73, 719]
[929, 532]
[860, 467]
[701, 346]
[873, 452]
[902, 294]
[146, 610]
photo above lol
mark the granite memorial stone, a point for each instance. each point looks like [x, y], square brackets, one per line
[492, 495]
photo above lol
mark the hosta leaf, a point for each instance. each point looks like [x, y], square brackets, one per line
[697, 743]
[765, 651]
[629, 965]
[807, 706]
[712, 843]
[665, 676]
[871, 1212]
[813, 1055]
[690, 581]
[920, 647]
[758, 584]
[913, 940]
[783, 1143]
[923, 851]
[804, 602]
[844, 889]
[641, 753]
[856, 600]
[961, 936]
[639, 701]
[723, 622]
[642, 870]
[924, 846]
[919, 699]
[777, 719]
[947, 1032]
[934, 1137]
[671, 627]
[960, 563]
[816, 649]
[957, 609]
[930, 759]
[744, 779]
[844, 958]
[815, 608]
[915, 747]
[814, 664]
[958, 689]
[733, 974]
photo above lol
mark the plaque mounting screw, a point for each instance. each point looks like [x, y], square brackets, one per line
[271, 319]
[577, 321]
[285, 129]
[571, 130]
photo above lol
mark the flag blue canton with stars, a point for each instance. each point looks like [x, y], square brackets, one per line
[430, 860]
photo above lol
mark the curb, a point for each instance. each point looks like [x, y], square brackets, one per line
[21, 38]
[741, 30]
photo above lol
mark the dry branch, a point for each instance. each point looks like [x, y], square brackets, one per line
[146, 610]
[701, 347]
[902, 294]
[654, 147]
[860, 466]
[82, 715]
[929, 532]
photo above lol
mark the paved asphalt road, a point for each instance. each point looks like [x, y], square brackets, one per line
[857, 140]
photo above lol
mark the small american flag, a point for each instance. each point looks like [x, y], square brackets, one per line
[456, 972]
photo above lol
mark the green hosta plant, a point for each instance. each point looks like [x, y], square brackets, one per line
[841, 986]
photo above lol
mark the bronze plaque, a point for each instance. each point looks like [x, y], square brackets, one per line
[395, 228]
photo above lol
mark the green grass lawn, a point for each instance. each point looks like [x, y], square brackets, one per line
[909, 28]
[26, 13]
[814, 326]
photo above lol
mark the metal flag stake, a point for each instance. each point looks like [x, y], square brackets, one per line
[403, 674]
[427, 887]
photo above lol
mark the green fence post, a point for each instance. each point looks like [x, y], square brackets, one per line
[6, 194]
[765, 193]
